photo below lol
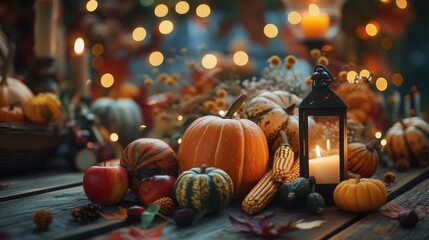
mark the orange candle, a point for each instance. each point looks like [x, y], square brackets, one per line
[314, 25]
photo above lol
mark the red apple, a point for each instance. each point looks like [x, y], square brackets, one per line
[106, 185]
[156, 187]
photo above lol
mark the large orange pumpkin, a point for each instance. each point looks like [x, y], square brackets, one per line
[237, 146]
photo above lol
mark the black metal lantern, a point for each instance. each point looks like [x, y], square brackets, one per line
[323, 135]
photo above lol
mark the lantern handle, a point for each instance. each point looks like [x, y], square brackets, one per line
[325, 69]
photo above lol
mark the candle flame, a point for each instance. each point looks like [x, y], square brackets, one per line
[79, 46]
[318, 151]
[328, 144]
[313, 9]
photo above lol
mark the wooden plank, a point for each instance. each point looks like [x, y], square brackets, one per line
[19, 224]
[376, 226]
[37, 185]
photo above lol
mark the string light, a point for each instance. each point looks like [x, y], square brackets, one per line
[161, 10]
[402, 4]
[378, 135]
[139, 34]
[156, 58]
[166, 27]
[381, 84]
[91, 5]
[182, 7]
[294, 18]
[114, 137]
[270, 30]
[209, 61]
[351, 76]
[203, 10]
[240, 58]
[107, 80]
[371, 29]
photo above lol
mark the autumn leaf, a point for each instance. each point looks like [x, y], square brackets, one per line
[309, 225]
[115, 216]
[141, 234]
[3, 185]
[393, 210]
[264, 227]
[149, 214]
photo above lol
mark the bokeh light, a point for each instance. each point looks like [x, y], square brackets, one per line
[270, 30]
[156, 58]
[381, 84]
[209, 61]
[203, 10]
[240, 58]
[107, 80]
[139, 34]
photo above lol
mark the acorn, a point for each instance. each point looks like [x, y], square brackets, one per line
[184, 217]
[42, 218]
[408, 218]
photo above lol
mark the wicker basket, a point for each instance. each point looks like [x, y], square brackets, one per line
[25, 146]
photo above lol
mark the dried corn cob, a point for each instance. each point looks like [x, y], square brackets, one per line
[293, 173]
[283, 159]
[259, 197]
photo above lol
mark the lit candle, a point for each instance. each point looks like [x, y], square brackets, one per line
[79, 67]
[314, 24]
[325, 169]
[45, 36]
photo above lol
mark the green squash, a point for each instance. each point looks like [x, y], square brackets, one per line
[300, 187]
[204, 188]
[315, 202]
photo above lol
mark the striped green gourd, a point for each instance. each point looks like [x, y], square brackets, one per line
[204, 188]
[121, 116]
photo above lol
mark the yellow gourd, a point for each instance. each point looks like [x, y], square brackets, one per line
[43, 108]
[360, 194]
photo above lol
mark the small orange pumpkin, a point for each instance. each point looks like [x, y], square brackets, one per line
[363, 158]
[360, 194]
[237, 146]
[43, 108]
[12, 113]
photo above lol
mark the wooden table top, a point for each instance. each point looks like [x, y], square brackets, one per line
[61, 191]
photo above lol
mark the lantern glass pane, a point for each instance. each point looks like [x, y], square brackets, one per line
[324, 160]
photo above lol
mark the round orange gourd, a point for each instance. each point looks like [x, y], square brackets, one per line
[43, 108]
[408, 140]
[11, 113]
[237, 146]
[145, 157]
[363, 158]
[360, 194]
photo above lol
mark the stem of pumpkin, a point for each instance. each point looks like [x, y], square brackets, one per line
[235, 106]
[372, 144]
[203, 168]
[290, 108]
[357, 178]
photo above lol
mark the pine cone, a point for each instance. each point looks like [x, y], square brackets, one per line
[42, 218]
[88, 213]
[166, 205]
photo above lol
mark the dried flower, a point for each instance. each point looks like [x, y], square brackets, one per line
[183, 51]
[148, 82]
[162, 77]
[389, 177]
[275, 60]
[154, 71]
[209, 105]
[170, 81]
[342, 75]
[315, 53]
[323, 60]
[191, 64]
[170, 60]
[221, 93]
[291, 60]
[220, 103]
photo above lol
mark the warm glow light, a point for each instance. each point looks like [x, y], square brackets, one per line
[179, 141]
[97, 49]
[156, 58]
[328, 144]
[142, 127]
[240, 58]
[270, 30]
[351, 75]
[161, 10]
[203, 10]
[91, 5]
[364, 73]
[114, 137]
[397, 79]
[378, 135]
[294, 18]
[139, 34]
[166, 27]
[221, 112]
[107, 80]
[209, 61]
[180, 118]
[381, 84]
[383, 142]
[371, 29]
[318, 151]
[313, 9]
[79, 46]
[182, 7]
[402, 4]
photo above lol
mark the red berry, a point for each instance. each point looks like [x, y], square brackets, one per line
[184, 217]
[134, 212]
[408, 218]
